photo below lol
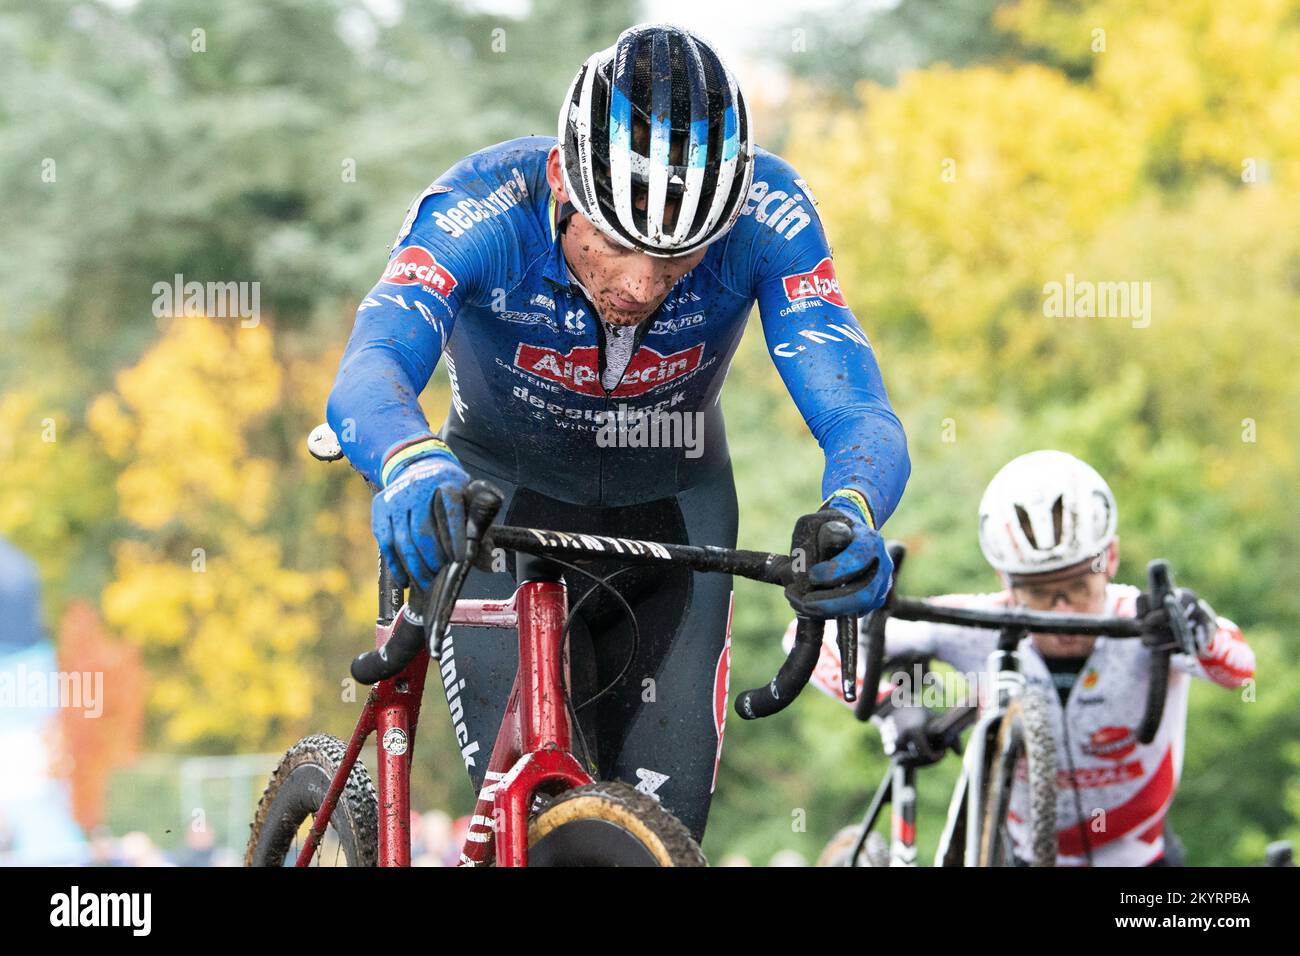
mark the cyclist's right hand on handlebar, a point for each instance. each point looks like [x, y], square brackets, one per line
[850, 573]
[418, 519]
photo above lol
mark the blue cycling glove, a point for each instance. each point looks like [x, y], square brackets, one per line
[418, 518]
[855, 578]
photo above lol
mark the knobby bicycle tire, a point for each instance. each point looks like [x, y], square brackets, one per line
[609, 824]
[295, 793]
[1024, 733]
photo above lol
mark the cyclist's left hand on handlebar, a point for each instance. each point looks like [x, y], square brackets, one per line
[1202, 622]
[1201, 619]
[854, 580]
[419, 518]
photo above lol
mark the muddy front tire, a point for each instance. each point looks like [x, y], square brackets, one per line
[294, 796]
[1025, 734]
[609, 824]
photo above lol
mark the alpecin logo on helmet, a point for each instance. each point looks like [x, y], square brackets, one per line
[578, 370]
[1111, 743]
[415, 265]
[820, 283]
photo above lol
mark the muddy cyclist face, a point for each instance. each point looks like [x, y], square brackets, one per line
[626, 286]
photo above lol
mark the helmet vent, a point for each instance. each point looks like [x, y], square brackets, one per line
[1023, 517]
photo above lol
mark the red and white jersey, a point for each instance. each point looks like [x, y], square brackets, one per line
[1123, 787]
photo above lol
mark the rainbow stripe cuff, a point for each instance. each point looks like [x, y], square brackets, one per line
[857, 500]
[419, 447]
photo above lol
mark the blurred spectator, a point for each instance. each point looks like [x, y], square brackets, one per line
[138, 849]
[439, 839]
[104, 850]
[36, 824]
[199, 850]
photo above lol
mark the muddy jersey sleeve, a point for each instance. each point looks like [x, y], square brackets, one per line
[821, 352]
[457, 240]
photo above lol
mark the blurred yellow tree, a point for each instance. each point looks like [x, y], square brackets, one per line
[203, 587]
[57, 488]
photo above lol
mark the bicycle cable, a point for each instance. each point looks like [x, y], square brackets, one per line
[568, 624]
[636, 634]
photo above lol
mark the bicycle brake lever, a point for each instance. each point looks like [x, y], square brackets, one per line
[482, 502]
[1178, 625]
[847, 627]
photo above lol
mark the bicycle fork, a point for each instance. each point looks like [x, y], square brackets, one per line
[392, 711]
[967, 804]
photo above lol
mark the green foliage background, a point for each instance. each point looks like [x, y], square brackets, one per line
[964, 154]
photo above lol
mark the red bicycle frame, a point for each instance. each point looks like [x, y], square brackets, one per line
[533, 748]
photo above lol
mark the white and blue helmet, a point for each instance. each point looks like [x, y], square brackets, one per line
[653, 128]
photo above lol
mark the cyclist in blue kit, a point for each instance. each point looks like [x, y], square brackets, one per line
[604, 279]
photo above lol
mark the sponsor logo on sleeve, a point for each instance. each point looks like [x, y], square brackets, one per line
[776, 209]
[843, 332]
[415, 265]
[458, 219]
[820, 283]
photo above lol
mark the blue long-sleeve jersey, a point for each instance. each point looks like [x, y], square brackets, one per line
[478, 275]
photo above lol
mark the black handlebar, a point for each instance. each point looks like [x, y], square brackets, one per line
[426, 627]
[415, 630]
[755, 565]
[793, 676]
[1162, 640]
[816, 537]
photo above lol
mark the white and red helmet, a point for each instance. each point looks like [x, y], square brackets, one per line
[1045, 511]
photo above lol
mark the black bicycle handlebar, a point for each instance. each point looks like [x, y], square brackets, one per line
[1161, 639]
[414, 631]
[755, 565]
[793, 676]
[795, 671]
